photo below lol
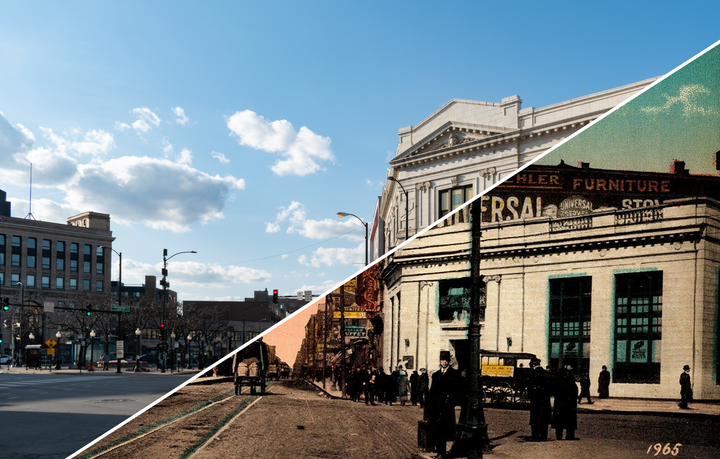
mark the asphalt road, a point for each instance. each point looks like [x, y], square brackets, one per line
[52, 416]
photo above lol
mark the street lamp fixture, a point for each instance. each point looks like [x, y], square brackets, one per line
[345, 214]
[172, 351]
[189, 339]
[407, 223]
[165, 285]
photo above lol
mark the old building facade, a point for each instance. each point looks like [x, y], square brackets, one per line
[467, 146]
[581, 267]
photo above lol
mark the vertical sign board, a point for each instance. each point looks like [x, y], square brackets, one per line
[299, 296]
[48, 306]
[120, 349]
[308, 295]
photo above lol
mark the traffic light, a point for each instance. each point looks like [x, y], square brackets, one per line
[0, 337]
[275, 296]
[88, 308]
[6, 303]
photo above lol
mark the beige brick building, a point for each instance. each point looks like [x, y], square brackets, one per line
[626, 277]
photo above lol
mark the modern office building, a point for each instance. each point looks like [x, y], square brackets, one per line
[582, 267]
[45, 262]
[467, 146]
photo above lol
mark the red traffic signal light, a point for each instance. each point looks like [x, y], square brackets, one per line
[275, 296]
[162, 325]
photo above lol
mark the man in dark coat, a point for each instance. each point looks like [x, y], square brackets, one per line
[686, 392]
[441, 403]
[423, 387]
[414, 379]
[565, 407]
[585, 388]
[604, 383]
[540, 408]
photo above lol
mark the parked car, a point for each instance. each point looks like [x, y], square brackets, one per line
[4, 359]
[129, 361]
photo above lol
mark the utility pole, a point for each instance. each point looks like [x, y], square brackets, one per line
[342, 336]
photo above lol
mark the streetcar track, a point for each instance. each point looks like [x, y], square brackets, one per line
[220, 427]
[156, 426]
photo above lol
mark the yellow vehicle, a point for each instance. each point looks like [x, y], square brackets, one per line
[505, 376]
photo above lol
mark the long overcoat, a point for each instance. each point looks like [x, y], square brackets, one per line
[441, 402]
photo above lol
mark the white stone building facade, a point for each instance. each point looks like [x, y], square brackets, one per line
[467, 146]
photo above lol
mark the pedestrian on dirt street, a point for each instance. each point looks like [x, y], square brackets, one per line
[414, 380]
[539, 395]
[423, 387]
[106, 362]
[403, 389]
[369, 387]
[686, 392]
[604, 383]
[441, 403]
[585, 388]
[565, 407]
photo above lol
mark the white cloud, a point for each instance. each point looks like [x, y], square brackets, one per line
[284, 256]
[220, 157]
[376, 183]
[194, 274]
[15, 143]
[121, 126]
[29, 136]
[96, 142]
[43, 209]
[689, 99]
[318, 289]
[185, 157]
[296, 215]
[51, 167]
[301, 149]
[167, 146]
[145, 119]
[272, 227]
[181, 118]
[155, 192]
[331, 256]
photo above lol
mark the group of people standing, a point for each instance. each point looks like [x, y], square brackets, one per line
[373, 385]
[562, 414]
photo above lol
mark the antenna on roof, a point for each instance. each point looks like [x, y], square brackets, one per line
[30, 215]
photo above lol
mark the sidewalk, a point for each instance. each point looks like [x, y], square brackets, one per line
[610, 405]
[74, 371]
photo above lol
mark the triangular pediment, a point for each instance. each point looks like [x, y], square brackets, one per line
[451, 135]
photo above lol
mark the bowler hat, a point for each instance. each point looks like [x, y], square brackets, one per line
[445, 355]
[686, 367]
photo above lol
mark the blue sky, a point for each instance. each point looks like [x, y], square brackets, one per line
[239, 129]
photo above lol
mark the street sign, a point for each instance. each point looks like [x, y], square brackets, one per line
[50, 343]
[48, 306]
[350, 314]
[50, 352]
[120, 349]
[119, 308]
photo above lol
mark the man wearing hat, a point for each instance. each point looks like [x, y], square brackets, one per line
[441, 403]
[686, 392]
[540, 408]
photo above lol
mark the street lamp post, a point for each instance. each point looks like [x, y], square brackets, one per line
[189, 340]
[137, 354]
[117, 337]
[407, 223]
[92, 346]
[471, 432]
[172, 349]
[58, 335]
[18, 354]
[165, 286]
[345, 214]
[31, 338]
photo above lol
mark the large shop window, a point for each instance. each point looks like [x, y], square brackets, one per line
[638, 327]
[455, 299]
[453, 198]
[570, 300]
